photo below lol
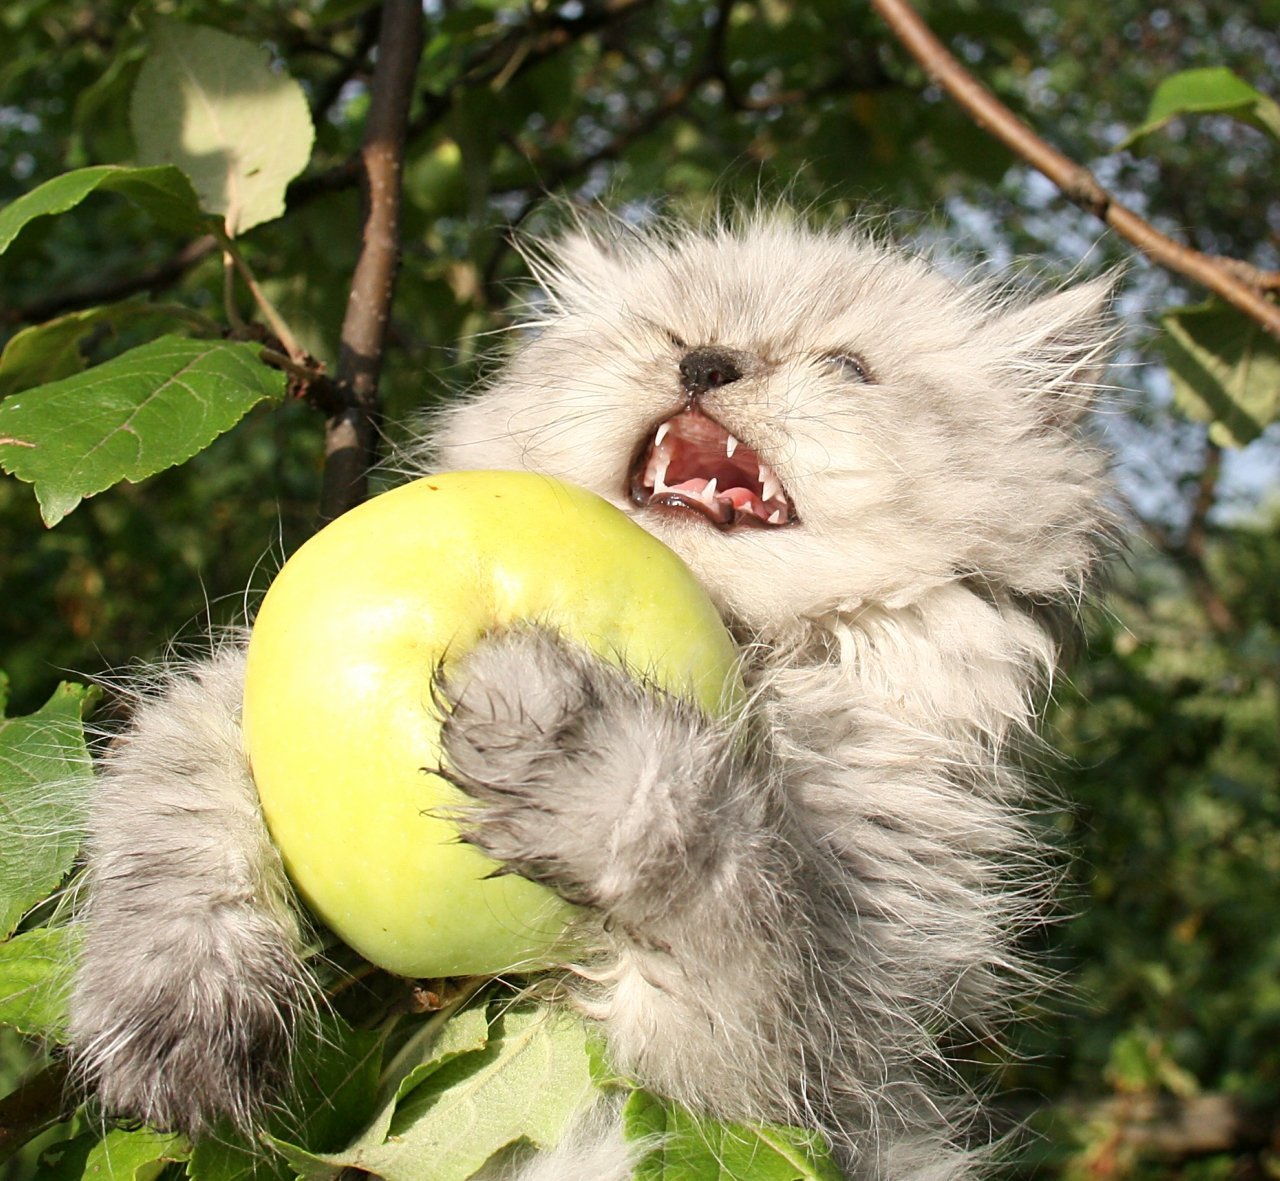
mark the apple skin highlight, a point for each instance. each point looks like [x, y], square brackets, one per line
[342, 731]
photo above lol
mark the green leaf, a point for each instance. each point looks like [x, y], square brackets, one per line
[223, 1158]
[211, 103]
[421, 1056]
[120, 1155]
[51, 351]
[34, 971]
[163, 192]
[144, 411]
[526, 1083]
[695, 1149]
[44, 781]
[1211, 91]
[335, 1079]
[1225, 370]
[65, 1160]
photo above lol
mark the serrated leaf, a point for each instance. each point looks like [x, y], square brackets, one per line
[164, 192]
[121, 1155]
[44, 782]
[335, 1074]
[146, 410]
[34, 972]
[211, 103]
[1225, 370]
[527, 1083]
[464, 1032]
[52, 351]
[694, 1149]
[222, 1158]
[1214, 90]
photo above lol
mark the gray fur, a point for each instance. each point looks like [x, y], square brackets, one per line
[788, 914]
[190, 979]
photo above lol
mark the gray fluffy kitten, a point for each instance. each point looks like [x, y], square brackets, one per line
[787, 927]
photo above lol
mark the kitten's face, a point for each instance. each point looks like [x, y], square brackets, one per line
[811, 421]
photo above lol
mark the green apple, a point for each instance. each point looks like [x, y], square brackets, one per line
[342, 731]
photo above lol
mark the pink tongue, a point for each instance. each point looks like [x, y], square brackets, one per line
[742, 499]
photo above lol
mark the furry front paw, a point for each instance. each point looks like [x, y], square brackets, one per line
[513, 738]
[582, 778]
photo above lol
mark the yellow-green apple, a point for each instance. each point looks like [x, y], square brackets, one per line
[342, 730]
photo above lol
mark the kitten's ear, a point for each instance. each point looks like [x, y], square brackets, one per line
[1058, 346]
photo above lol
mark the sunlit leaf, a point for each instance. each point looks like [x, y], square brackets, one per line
[35, 970]
[525, 1083]
[128, 418]
[1225, 370]
[164, 192]
[53, 350]
[692, 1149]
[1213, 90]
[44, 778]
[212, 104]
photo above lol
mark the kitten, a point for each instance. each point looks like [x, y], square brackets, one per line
[877, 474]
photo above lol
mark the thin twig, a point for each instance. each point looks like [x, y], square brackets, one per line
[1234, 280]
[274, 319]
[491, 64]
[153, 279]
[37, 1103]
[1189, 552]
[351, 436]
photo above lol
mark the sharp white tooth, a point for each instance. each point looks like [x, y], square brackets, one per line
[730, 446]
[709, 492]
[661, 434]
[775, 517]
[770, 485]
[660, 472]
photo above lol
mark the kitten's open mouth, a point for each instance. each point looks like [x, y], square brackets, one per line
[693, 463]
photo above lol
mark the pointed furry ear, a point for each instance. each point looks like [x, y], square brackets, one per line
[1058, 346]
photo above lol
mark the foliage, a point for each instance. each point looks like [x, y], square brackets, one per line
[137, 250]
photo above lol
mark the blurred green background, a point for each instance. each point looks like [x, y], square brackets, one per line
[1156, 1054]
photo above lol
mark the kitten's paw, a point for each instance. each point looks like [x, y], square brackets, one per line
[164, 1038]
[582, 778]
[514, 737]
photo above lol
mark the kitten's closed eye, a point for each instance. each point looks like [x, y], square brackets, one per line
[849, 365]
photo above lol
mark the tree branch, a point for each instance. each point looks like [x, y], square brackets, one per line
[351, 436]
[38, 1102]
[1235, 281]
[498, 60]
[153, 279]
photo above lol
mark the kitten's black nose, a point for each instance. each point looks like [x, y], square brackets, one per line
[709, 366]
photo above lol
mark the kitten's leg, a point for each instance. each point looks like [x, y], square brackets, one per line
[189, 976]
[639, 805]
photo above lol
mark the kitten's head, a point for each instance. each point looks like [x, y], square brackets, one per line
[812, 419]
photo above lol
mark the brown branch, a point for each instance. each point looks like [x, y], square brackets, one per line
[156, 278]
[39, 1101]
[497, 61]
[1174, 1128]
[1234, 280]
[1190, 554]
[351, 436]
